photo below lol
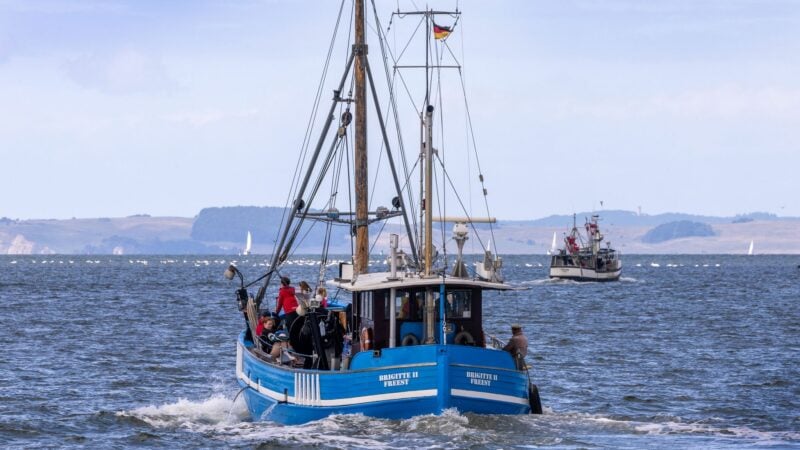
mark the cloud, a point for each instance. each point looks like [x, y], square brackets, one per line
[206, 117]
[6, 48]
[723, 102]
[61, 7]
[127, 71]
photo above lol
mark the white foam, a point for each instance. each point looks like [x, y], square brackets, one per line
[449, 423]
[215, 410]
[541, 281]
[331, 432]
[763, 437]
[675, 426]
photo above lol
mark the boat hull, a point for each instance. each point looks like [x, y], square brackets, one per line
[584, 274]
[393, 383]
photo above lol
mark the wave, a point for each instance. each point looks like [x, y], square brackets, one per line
[671, 426]
[742, 432]
[221, 418]
[541, 281]
[184, 413]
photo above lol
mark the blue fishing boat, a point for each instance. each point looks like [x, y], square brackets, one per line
[396, 343]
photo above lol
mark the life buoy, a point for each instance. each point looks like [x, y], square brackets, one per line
[464, 338]
[409, 339]
[366, 338]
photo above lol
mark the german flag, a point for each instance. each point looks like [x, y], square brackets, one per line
[440, 32]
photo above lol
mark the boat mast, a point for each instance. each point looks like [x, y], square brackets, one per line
[361, 257]
[428, 156]
[428, 189]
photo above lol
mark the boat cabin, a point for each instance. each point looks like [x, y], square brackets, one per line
[462, 310]
[393, 312]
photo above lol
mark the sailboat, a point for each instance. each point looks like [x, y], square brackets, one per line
[408, 341]
[553, 248]
[586, 260]
[750, 250]
[248, 245]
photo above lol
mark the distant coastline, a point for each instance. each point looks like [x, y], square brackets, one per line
[223, 231]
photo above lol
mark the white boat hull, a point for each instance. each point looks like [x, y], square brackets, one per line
[584, 274]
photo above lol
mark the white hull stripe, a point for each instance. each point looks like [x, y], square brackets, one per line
[488, 396]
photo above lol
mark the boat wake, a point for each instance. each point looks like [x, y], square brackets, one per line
[671, 426]
[543, 281]
[219, 417]
[742, 432]
[217, 410]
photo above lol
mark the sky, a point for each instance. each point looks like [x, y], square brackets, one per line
[116, 108]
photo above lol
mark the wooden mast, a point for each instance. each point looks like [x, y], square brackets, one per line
[428, 156]
[361, 257]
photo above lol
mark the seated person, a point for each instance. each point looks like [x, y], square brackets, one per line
[280, 350]
[266, 327]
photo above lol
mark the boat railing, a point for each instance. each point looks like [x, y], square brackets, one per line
[495, 343]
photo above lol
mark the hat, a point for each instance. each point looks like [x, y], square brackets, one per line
[516, 327]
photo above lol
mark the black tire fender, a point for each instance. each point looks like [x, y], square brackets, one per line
[464, 338]
[409, 339]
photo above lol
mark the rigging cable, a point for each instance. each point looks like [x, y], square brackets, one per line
[289, 204]
[477, 159]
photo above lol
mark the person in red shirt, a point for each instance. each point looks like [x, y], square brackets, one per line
[266, 326]
[287, 302]
[267, 323]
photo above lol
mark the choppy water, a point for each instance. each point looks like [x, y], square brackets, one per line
[684, 352]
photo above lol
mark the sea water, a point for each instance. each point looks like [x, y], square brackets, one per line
[683, 352]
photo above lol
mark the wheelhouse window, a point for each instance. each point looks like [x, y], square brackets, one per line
[459, 305]
[366, 305]
[410, 305]
[402, 305]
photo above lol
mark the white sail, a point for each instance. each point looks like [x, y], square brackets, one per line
[750, 250]
[249, 244]
[552, 250]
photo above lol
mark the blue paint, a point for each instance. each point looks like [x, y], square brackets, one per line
[396, 383]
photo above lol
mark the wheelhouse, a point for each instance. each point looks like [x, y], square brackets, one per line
[414, 311]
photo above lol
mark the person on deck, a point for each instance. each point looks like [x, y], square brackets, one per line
[517, 345]
[287, 301]
[322, 297]
[303, 298]
[262, 322]
[265, 328]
